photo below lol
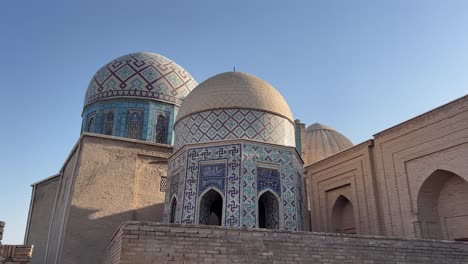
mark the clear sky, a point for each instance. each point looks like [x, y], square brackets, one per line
[357, 66]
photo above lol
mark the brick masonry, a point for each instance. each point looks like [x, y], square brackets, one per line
[147, 242]
[15, 254]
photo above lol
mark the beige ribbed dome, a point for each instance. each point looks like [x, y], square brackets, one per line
[322, 141]
[234, 90]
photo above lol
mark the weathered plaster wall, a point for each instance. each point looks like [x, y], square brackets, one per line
[60, 207]
[143, 242]
[115, 181]
[42, 205]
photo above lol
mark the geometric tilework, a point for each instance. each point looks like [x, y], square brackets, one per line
[176, 172]
[253, 153]
[225, 124]
[268, 178]
[211, 175]
[241, 173]
[143, 75]
[301, 198]
[120, 109]
[197, 157]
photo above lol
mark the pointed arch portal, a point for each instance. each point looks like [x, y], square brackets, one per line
[442, 209]
[343, 216]
[211, 208]
[268, 211]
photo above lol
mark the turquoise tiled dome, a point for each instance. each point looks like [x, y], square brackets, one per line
[142, 75]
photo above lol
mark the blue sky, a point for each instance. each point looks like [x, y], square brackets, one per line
[357, 66]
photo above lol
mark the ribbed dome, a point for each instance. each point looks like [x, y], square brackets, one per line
[143, 75]
[234, 90]
[322, 141]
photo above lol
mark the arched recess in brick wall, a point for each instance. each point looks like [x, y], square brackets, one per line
[443, 207]
[211, 208]
[268, 211]
[173, 210]
[343, 216]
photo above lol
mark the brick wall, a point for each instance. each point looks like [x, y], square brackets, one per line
[15, 254]
[146, 242]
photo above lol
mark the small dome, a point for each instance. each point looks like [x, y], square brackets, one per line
[235, 90]
[322, 141]
[142, 75]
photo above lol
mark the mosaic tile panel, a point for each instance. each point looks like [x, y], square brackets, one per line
[176, 175]
[224, 124]
[268, 178]
[143, 75]
[231, 154]
[120, 109]
[241, 172]
[252, 154]
[211, 174]
[301, 191]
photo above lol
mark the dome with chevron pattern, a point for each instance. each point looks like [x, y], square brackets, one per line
[141, 75]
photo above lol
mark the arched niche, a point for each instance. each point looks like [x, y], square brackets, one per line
[211, 208]
[443, 206]
[268, 211]
[343, 216]
[172, 216]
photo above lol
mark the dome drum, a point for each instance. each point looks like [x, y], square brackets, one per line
[136, 96]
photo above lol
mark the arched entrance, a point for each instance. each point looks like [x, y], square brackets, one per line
[268, 211]
[173, 210]
[211, 208]
[343, 216]
[443, 206]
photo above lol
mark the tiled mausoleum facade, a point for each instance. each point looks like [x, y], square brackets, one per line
[235, 163]
[241, 172]
[158, 147]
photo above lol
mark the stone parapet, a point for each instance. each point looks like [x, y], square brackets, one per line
[146, 242]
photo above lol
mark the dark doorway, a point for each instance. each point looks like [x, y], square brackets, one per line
[268, 211]
[173, 210]
[211, 208]
[343, 216]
